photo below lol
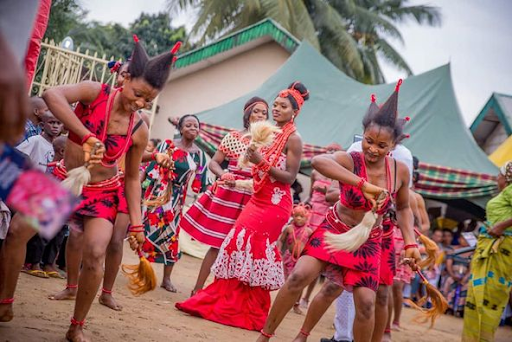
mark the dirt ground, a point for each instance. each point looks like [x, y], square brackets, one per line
[152, 317]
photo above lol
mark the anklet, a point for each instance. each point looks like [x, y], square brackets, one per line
[7, 301]
[267, 335]
[304, 332]
[71, 286]
[75, 322]
[106, 291]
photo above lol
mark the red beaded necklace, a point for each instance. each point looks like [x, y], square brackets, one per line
[111, 161]
[272, 154]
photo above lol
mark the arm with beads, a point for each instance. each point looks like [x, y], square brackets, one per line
[133, 187]
[405, 218]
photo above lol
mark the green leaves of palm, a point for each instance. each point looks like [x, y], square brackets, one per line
[350, 33]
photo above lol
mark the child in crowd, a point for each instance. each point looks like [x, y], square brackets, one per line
[39, 148]
[293, 240]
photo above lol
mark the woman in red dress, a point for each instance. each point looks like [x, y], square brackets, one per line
[210, 218]
[249, 264]
[363, 176]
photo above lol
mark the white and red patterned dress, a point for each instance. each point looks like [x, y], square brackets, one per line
[212, 216]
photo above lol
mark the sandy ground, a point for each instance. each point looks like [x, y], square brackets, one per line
[153, 317]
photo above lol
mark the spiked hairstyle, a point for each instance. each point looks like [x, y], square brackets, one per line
[153, 70]
[387, 115]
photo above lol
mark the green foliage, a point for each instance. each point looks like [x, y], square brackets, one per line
[64, 16]
[352, 34]
[155, 31]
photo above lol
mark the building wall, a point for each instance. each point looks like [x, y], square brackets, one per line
[495, 139]
[217, 84]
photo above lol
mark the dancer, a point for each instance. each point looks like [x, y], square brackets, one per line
[249, 265]
[319, 206]
[363, 177]
[293, 239]
[165, 194]
[106, 118]
[387, 265]
[491, 268]
[114, 254]
[210, 218]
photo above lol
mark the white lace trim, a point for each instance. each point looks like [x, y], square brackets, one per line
[240, 264]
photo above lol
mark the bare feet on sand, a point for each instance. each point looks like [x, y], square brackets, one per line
[76, 334]
[297, 310]
[6, 313]
[67, 294]
[108, 300]
[168, 286]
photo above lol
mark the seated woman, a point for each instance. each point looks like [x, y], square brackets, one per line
[455, 287]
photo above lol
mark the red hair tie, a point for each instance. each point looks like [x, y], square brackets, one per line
[302, 209]
[398, 84]
[176, 47]
[135, 38]
[373, 98]
[295, 94]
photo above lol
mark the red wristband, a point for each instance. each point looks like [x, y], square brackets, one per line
[87, 136]
[136, 229]
[412, 245]
[153, 155]
[361, 182]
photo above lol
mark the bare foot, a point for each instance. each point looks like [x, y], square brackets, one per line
[108, 300]
[304, 303]
[76, 334]
[6, 313]
[66, 294]
[297, 309]
[396, 327]
[300, 338]
[168, 286]
[386, 337]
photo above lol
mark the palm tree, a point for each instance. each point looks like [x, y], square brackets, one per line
[352, 34]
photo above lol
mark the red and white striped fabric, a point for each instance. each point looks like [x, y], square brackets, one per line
[212, 216]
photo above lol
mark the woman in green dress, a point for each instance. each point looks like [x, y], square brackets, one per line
[165, 193]
[491, 268]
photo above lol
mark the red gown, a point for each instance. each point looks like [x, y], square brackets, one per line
[249, 263]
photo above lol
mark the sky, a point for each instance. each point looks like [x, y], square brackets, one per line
[475, 38]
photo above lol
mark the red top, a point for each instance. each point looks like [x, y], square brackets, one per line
[94, 116]
[352, 197]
